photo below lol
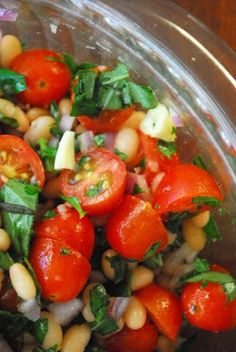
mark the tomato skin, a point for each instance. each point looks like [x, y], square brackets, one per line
[180, 185]
[207, 307]
[22, 157]
[164, 309]
[46, 80]
[127, 340]
[107, 121]
[68, 227]
[134, 227]
[105, 164]
[154, 159]
[61, 277]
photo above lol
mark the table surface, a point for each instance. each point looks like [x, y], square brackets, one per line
[219, 15]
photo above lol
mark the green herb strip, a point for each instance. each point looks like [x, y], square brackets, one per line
[137, 189]
[120, 266]
[120, 154]
[65, 251]
[197, 161]
[211, 230]
[9, 121]
[168, 149]
[152, 259]
[11, 82]
[96, 189]
[55, 113]
[47, 154]
[75, 204]
[99, 140]
[49, 214]
[82, 162]
[211, 201]
[40, 329]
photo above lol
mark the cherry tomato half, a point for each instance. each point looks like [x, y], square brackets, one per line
[180, 185]
[134, 227]
[207, 307]
[47, 77]
[127, 340]
[164, 308]
[18, 160]
[61, 272]
[68, 227]
[98, 183]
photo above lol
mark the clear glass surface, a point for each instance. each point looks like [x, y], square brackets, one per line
[188, 67]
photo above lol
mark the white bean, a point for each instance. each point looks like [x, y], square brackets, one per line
[34, 113]
[193, 235]
[54, 334]
[127, 142]
[76, 338]
[106, 266]
[5, 241]
[86, 292]
[134, 120]
[8, 109]
[39, 128]
[87, 313]
[201, 219]
[65, 106]
[22, 281]
[135, 315]
[141, 277]
[10, 47]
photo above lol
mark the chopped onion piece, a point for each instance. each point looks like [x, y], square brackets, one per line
[132, 179]
[86, 141]
[8, 14]
[30, 309]
[66, 122]
[65, 312]
[54, 141]
[109, 141]
[177, 121]
[119, 306]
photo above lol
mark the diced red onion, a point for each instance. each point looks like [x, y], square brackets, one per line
[132, 179]
[109, 141]
[153, 166]
[30, 309]
[86, 141]
[8, 14]
[65, 312]
[156, 181]
[119, 306]
[177, 121]
[66, 122]
[4, 346]
[54, 141]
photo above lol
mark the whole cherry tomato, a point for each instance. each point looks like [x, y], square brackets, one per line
[180, 185]
[47, 77]
[98, 183]
[68, 227]
[18, 160]
[127, 340]
[164, 309]
[61, 272]
[134, 227]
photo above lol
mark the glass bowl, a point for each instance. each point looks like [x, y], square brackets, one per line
[188, 67]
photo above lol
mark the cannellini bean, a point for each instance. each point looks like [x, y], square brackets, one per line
[86, 292]
[5, 241]
[65, 106]
[127, 141]
[76, 338]
[54, 334]
[135, 315]
[106, 266]
[194, 236]
[201, 219]
[141, 277]
[134, 120]
[10, 47]
[22, 281]
[39, 128]
[8, 109]
[51, 189]
[34, 113]
[87, 313]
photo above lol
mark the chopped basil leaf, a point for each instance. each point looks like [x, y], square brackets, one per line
[137, 189]
[120, 266]
[152, 250]
[47, 154]
[38, 288]
[5, 260]
[65, 251]
[201, 265]
[82, 161]
[122, 288]
[211, 230]
[166, 148]
[55, 59]
[143, 163]
[99, 140]
[121, 155]
[19, 226]
[49, 214]
[70, 63]
[197, 161]
[40, 329]
[8, 121]
[152, 259]
[11, 82]
[179, 216]
[13, 325]
[96, 189]
[87, 66]
[119, 73]
[142, 95]
[43, 349]
[211, 201]
[75, 204]
[173, 131]
[99, 302]
[55, 113]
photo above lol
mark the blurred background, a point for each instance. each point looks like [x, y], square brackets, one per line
[219, 15]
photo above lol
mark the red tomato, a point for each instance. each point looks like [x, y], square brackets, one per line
[127, 340]
[47, 78]
[180, 185]
[207, 307]
[108, 120]
[66, 226]
[99, 183]
[61, 272]
[19, 160]
[134, 227]
[163, 307]
[155, 161]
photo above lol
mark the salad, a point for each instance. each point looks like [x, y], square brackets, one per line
[102, 223]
